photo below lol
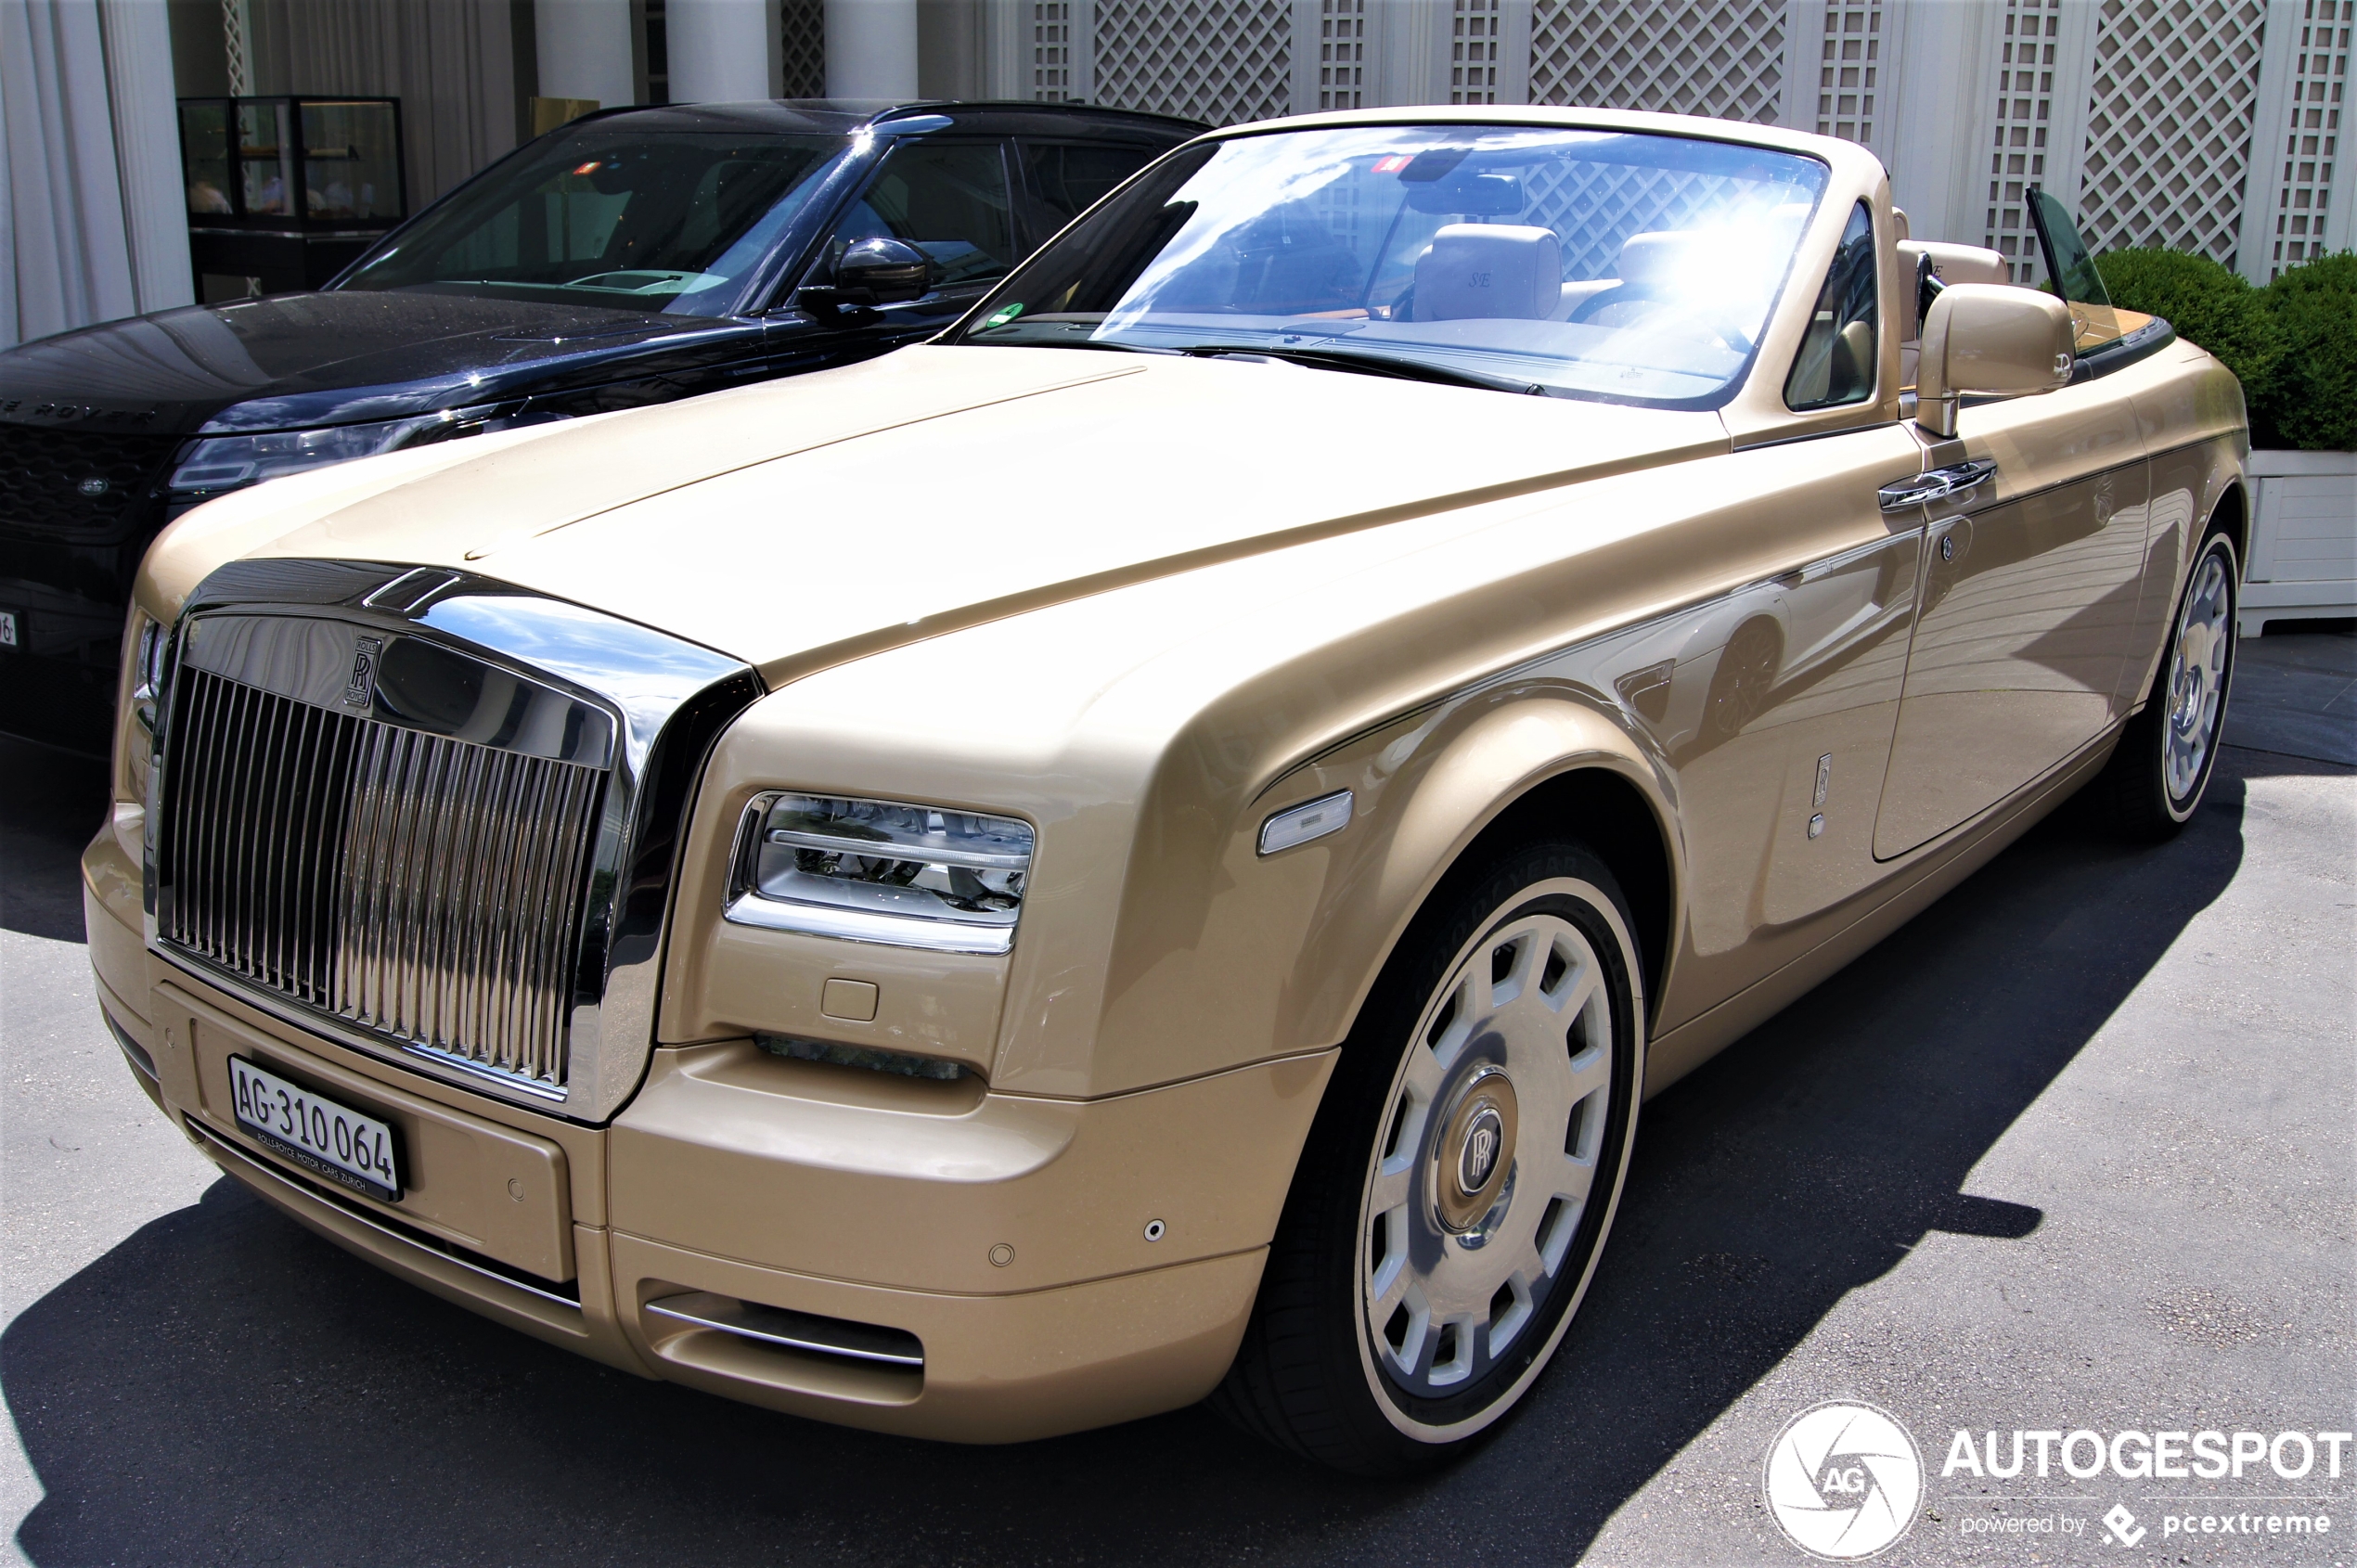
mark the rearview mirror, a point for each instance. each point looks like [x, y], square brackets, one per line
[1991, 338]
[882, 272]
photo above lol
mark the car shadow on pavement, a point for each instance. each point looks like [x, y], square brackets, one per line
[51, 804]
[222, 1386]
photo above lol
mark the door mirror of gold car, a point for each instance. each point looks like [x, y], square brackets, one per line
[1993, 340]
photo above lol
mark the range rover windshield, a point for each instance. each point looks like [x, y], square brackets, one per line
[1608, 264]
[662, 221]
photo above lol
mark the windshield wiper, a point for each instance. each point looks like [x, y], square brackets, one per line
[1373, 365]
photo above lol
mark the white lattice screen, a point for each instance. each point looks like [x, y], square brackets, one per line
[1723, 57]
[2168, 123]
[1849, 75]
[2311, 134]
[802, 48]
[1051, 50]
[1342, 53]
[1221, 60]
[2025, 114]
[1473, 50]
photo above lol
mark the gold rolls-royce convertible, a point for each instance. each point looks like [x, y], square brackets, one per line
[1153, 848]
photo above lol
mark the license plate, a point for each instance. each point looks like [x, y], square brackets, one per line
[9, 635]
[331, 1140]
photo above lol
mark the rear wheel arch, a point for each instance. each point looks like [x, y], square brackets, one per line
[2232, 517]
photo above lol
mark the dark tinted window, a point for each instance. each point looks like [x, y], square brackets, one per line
[668, 222]
[1067, 180]
[949, 200]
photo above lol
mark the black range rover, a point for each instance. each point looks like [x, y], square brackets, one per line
[632, 257]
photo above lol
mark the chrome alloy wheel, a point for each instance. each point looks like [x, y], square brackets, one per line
[1492, 1138]
[2197, 659]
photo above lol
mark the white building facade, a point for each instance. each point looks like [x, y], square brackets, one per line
[2204, 125]
[2207, 125]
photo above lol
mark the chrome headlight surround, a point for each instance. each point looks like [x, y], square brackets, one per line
[891, 872]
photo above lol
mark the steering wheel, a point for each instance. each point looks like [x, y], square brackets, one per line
[1618, 294]
[1717, 325]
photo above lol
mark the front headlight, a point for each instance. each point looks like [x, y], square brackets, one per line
[232, 462]
[912, 876]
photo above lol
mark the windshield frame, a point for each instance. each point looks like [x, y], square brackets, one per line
[1474, 120]
[826, 190]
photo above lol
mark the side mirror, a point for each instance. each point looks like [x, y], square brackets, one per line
[882, 272]
[1990, 338]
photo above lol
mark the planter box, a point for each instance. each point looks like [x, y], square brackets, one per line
[2304, 549]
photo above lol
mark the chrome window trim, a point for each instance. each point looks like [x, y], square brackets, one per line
[556, 671]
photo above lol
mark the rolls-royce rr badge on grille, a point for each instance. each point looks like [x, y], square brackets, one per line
[362, 685]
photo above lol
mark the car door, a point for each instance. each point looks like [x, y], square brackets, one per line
[1774, 705]
[2030, 590]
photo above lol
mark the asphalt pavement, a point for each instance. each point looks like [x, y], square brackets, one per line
[2072, 1150]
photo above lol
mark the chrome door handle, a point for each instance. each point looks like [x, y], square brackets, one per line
[1936, 485]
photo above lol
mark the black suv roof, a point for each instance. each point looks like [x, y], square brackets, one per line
[842, 116]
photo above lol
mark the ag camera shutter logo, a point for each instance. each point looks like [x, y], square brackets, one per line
[1843, 1481]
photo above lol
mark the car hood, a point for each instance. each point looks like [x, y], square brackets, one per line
[800, 523]
[294, 360]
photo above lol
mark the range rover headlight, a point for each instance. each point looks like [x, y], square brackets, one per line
[216, 464]
[913, 876]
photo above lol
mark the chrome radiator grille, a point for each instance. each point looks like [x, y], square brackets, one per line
[424, 888]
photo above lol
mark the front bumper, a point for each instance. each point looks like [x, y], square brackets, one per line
[1005, 1235]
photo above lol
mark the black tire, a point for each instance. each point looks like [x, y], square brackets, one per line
[2147, 791]
[1309, 1376]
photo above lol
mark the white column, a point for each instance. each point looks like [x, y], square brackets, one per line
[1931, 123]
[871, 49]
[720, 50]
[584, 49]
[65, 245]
[147, 150]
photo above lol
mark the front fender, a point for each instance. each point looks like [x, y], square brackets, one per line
[1299, 938]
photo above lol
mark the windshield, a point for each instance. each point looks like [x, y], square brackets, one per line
[1586, 264]
[669, 221]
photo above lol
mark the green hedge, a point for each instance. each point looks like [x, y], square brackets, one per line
[2293, 343]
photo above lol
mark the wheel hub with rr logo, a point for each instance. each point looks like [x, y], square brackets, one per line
[1475, 1154]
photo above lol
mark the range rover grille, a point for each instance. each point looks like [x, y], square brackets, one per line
[423, 889]
[77, 483]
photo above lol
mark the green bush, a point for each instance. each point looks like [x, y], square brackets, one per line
[2293, 344]
[2205, 303]
[2311, 400]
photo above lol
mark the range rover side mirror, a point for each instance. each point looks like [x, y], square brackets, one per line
[882, 272]
[1991, 338]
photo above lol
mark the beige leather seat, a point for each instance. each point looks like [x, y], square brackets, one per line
[1493, 270]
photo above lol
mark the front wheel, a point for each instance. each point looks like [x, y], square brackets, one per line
[1456, 1190]
[2161, 768]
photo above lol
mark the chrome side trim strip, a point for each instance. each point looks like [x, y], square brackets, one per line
[794, 1330]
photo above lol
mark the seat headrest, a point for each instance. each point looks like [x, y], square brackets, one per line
[1489, 270]
[1955, 263]
[1950, 263]
[1651, 258]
